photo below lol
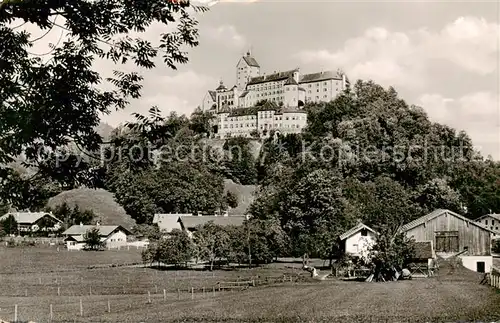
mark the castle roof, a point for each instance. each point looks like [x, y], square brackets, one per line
[213, 95]
[320, 76]
[279, 76]
[290, 81]
[221, 87]
[250, 60]
[244, 93]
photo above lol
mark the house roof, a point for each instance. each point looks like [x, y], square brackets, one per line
[435, 214]
[354, 230]
[494, 216]
[423, 250]
[28, 217]
[279, 76]
[250, 60]
[167, 222]
[77, 238]
[104, 230]
[190, 222]
[213, 95]
[320, 76]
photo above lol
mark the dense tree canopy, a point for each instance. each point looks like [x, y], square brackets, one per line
[367, 155]
[50, 100]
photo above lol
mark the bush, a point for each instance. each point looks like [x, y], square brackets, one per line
[495, 246]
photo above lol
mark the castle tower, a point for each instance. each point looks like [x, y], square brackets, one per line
[246, 68]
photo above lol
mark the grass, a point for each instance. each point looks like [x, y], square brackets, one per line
[100, 201]
[455, 294]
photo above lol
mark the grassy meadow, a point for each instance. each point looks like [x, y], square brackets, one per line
[36, 278]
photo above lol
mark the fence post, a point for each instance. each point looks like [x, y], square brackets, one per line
[109, 307]
[51, 313]
[149, 297]
[178, 293]
[58, 291]
[40, 280]
[253, 282]
[203, 291]
[81, 307]
[164, 295]
[15, 313]
[192, 292]
[90, 290]
[156, 289]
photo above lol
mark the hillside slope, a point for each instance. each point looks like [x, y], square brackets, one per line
[100, 201]
[245, 195]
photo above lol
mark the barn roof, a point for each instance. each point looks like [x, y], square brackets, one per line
[355, 229]
[190, 222]
[28, 217]
[434, 214]
[167, 222]
[104, 230]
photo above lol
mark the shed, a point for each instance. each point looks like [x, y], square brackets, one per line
[453, 234]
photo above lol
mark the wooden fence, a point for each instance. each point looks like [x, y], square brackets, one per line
[494, 279]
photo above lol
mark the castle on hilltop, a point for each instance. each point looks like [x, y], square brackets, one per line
[259, 103]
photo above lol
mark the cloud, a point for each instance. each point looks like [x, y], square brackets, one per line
[403, 58]
[225, 34]
[181, 92]
[477, 113]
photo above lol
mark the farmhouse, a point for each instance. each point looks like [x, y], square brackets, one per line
[167, 222]
[492, 222]
[189, 223]
[452, 234]
[112, 235]
[34, 221]
[358, 240]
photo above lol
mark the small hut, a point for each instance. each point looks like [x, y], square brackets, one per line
[423, 263]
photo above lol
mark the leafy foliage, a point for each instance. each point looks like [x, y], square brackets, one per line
[92, 239]
[212, 242]
[51, 100]
[9, 225]
[72, 216]
[367, 155]
[176, 249]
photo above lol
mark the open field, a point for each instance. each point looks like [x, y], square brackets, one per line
[454, 295]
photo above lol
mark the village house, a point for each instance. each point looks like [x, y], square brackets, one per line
[113, 236]
[452, 234]
[190, 223]
[358, 240]
[28, 222]
[492, 222]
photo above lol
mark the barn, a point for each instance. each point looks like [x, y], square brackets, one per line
[451, 235]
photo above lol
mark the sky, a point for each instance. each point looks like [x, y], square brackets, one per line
[443, 56]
